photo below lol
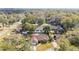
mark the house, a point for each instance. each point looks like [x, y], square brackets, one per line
[58, 29]
[54, 21]
[40, 28]
[56, 25]
[38, 38]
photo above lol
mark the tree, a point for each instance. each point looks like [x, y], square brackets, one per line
[40, 21]
[46, 30]
[30, 27]
[67, 24]
[64, 44]
[73, 48]
[75, 40]
[15, 45]
[23, 21]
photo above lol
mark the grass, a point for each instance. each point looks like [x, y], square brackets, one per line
[43, 47]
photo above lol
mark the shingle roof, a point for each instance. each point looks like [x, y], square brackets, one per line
[42, 26]
[39, 37]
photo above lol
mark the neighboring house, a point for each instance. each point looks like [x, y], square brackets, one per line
[38, 38]
[54, 21]
[58, 29]
[40, 28]
[56, 25]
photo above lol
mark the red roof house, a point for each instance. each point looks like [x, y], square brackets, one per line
[39, 37]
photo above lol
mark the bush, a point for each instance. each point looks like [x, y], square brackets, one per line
[75, 40]
[73, 48]
[64, 44]
[14, 45]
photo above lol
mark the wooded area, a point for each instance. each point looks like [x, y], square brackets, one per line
[39, 30]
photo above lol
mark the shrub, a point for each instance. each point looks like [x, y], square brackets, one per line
[64, 44]
[14, 45]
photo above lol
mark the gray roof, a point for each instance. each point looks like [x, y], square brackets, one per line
[57, 27]
[42, 26]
